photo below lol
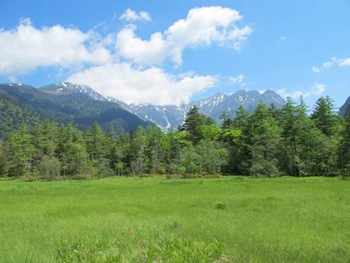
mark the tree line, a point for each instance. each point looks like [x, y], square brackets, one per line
[267, 142]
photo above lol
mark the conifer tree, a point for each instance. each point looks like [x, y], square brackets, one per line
[21, 151]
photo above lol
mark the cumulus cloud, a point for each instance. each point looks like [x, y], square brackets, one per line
[342, 62]
[202, 27]
[26, 48]
[135, 85]
[314, 91]
[131, 16]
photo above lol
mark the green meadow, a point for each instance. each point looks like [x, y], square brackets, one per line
[229, 219]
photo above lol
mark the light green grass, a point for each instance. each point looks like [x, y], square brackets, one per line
[232, 219]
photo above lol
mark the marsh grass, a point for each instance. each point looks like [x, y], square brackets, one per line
[134, 246]
[160, 220]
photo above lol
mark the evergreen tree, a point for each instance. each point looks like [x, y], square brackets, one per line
[211, 156]
[96, 146]
[240, 153]
[45, 142]
[264, 142]
[155, 150]
[137, 152]
[324, 116]
[96, 141]
[300, 139]
[21, 152]
[193, 122]
[71, 150]
[3, 159]
[344, 148]
[121, 154]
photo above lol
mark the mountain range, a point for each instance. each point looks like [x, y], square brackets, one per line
[64, 100]
[61, 102]
[173, 116]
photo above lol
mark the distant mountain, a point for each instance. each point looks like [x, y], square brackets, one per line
[345, 109]
[173, 116]
[62, 101]
[14, 114]
[69, 88]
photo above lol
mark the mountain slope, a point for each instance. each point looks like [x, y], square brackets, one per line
[72, 101]
[14, 114]
[345, 109]
[173, 116]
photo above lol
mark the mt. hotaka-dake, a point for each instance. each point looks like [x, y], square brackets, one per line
[62, 100]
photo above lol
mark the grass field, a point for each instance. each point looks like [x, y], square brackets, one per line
[231, 219]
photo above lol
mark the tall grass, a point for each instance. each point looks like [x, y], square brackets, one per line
[233, 219]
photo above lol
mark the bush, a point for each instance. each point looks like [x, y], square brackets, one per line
[220, 205]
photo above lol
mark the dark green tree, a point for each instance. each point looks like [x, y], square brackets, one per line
[193, 122]
[3, 159]
[137, 151]
[21, 152]
[265, 136]
[325, 117]
[71, 151]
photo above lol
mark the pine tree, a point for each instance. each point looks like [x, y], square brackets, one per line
[71, 150]
[45, 136]
[264, 142]
[344, 148]
[324, 116]
[21, 151]
[137, 152]
[193, 122]
[3, 159]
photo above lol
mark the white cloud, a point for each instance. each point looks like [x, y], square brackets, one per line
[238, 80]
[314, 91]
[134, 85]
[342, 62]
[130, 16]
[316, 70]
[26, 48]
[203, 26]
[283, 38]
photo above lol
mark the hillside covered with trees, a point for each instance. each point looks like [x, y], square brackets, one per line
[267, 142]
[24, 104]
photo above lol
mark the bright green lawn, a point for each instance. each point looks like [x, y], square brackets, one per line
[130, 219]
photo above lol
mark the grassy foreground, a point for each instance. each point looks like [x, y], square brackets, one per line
[231, 219]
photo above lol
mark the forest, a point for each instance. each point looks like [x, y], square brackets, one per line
[267, 142]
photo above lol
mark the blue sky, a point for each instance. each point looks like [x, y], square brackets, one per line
[167, 52]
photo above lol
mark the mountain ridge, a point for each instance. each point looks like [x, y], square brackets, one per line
[166, 117]
[344, 110]
[171, 116]
[60, 102]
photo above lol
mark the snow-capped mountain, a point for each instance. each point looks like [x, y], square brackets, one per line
[171, 116]
[67, 88]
